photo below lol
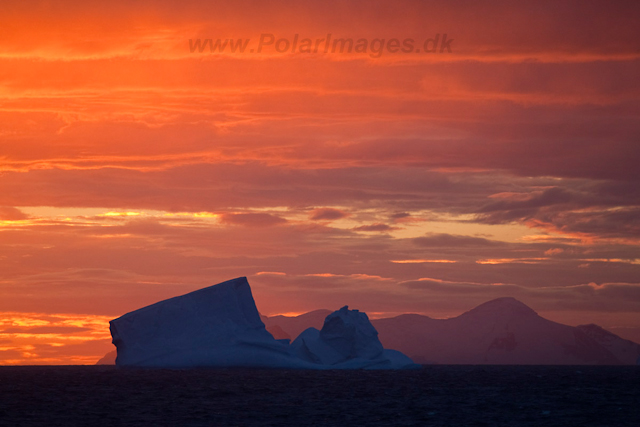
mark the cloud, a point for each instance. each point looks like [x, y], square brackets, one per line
[52, 338]
[446, 240]
[165, 28]
[400, 216]
[518, 149]
[45, 330]
[508, 210]
[252, 219]
[584, 209]
[327, 214]
[8, 213]
[621, 223]
[607, 297]
[553, 251]
[377, 227]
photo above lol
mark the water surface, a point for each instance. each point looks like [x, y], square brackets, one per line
[432, 396]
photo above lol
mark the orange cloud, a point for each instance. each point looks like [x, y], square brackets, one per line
[8, 213]
[52, 338]
[252, 219]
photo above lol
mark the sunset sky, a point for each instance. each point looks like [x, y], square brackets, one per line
[133, 169]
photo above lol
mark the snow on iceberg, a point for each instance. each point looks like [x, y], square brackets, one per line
[219, 326]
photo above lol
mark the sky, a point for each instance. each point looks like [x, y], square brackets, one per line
[461, 151]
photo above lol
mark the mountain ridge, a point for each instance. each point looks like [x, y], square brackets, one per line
[500, 331]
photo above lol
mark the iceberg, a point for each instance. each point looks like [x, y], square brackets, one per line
[219, 326]
[215, 326]
[347, 340]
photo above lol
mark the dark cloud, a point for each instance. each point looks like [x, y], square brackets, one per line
[607, 297]
[8, 213]
[400, 215]
[509, 210]
[623, 223]
[450, 240]
[327, 214]
[605, 210]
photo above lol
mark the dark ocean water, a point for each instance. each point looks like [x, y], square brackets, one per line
[432, 396]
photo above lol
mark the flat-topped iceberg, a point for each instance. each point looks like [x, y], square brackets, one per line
[219, 326]
[214, 326]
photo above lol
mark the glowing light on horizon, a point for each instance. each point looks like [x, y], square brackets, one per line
[288, 314]
[34, 335]
[206, 215]
[511, 261]
[423, 261]
[121, 214]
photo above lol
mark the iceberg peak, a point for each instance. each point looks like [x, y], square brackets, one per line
[351, 334]
[347, 340]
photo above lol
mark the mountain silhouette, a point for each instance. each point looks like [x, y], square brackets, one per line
[500, 331]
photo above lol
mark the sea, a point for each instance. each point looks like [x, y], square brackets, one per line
[435, 395]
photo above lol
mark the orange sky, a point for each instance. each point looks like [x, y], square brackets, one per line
[132, 170]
